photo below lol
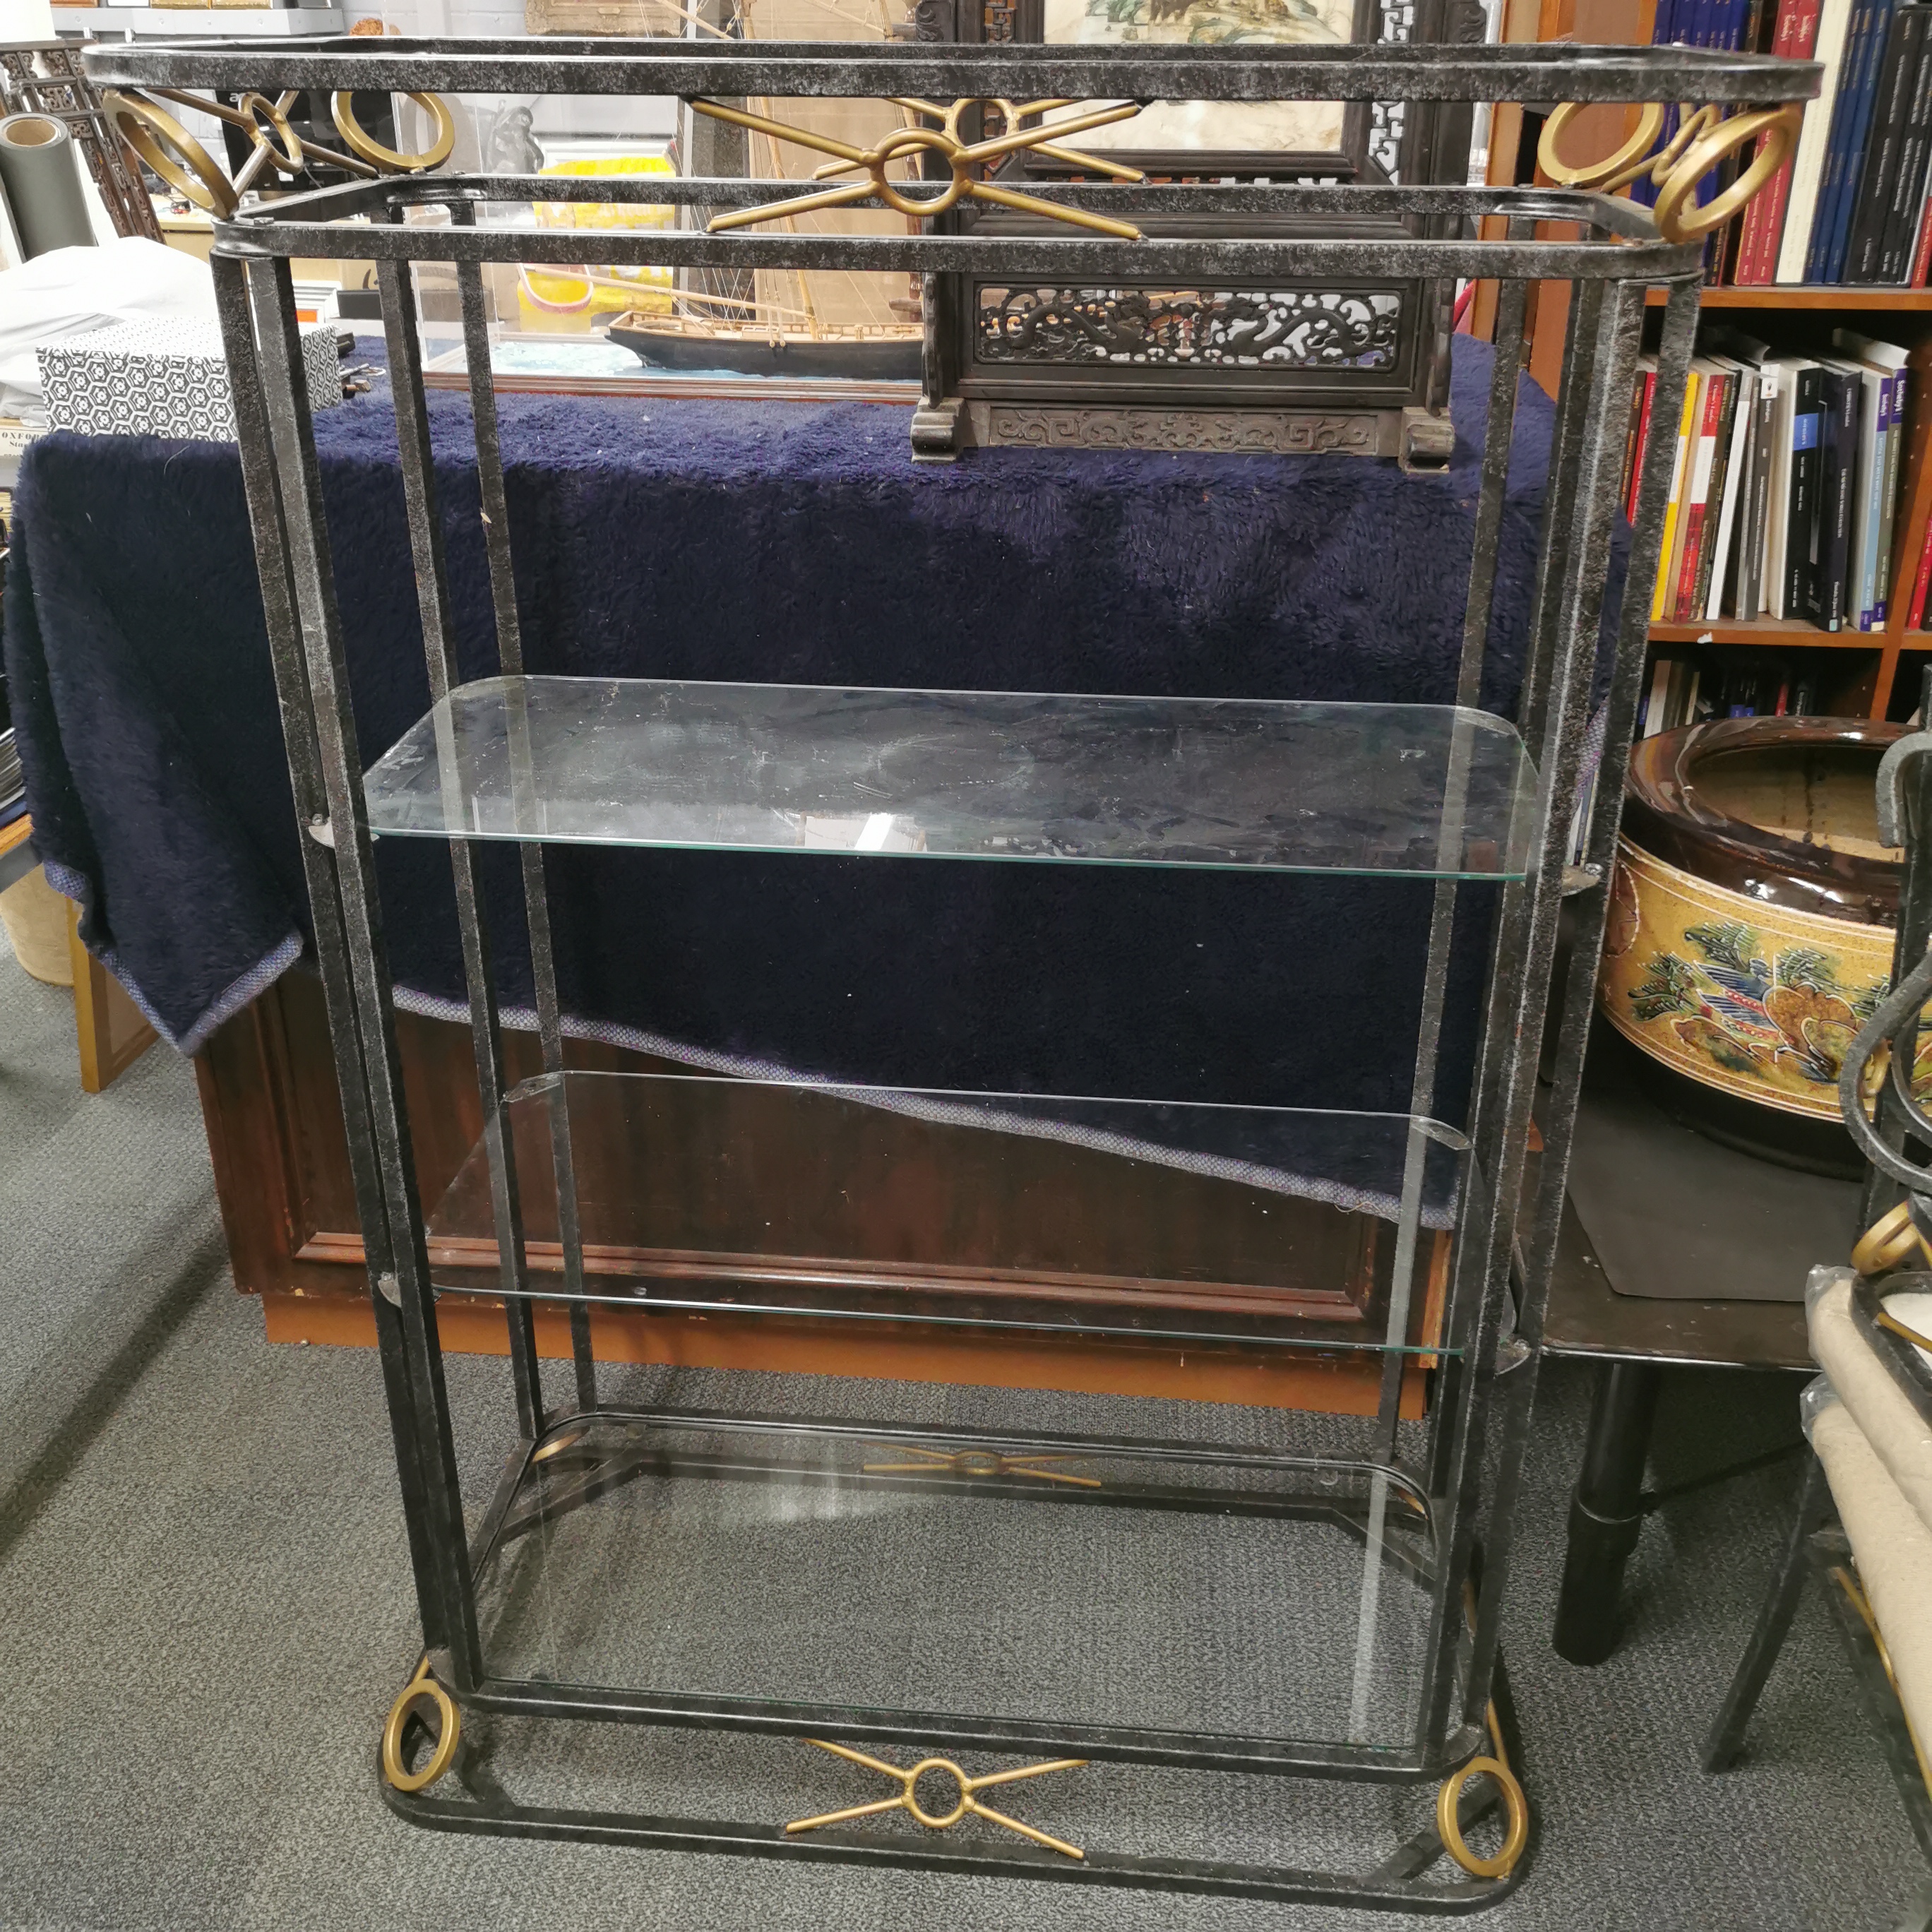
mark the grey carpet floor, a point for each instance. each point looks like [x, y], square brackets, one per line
[204, 1613]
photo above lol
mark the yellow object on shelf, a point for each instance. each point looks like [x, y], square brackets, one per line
[553, 300]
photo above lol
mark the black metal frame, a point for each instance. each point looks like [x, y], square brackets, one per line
[1891, 1136]
[1470, 1469]
[1817, 1547]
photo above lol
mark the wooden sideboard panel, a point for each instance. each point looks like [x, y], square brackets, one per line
[281, 1170]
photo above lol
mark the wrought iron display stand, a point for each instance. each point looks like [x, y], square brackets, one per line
[1448, 794]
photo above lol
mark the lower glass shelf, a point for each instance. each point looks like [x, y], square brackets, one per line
[1171, 1602]
[1003, 1211]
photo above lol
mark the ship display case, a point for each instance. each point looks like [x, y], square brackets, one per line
[1159, 1642]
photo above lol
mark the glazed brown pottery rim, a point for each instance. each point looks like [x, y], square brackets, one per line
[1667, 814]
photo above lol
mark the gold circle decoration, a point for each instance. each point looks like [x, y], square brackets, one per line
[1515, 1804]
[283, 143]
[1778, 125]
[908, 140]
[172, 152]
[912, 1803]
[365, 147]
[1613, 171]
[1891, 1239]
[422, 1688]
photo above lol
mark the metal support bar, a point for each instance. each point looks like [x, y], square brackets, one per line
[239, 306]
[306, 538]
[426, 543]
[1576, 998]
[536, 897]
[1499, 1133]
[1727, 1735]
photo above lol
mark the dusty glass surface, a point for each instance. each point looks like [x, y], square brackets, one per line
[1416, 790]
[1289, 1228]
[1147, 1586]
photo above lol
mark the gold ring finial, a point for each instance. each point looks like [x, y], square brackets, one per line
[1704, 138]
[1449, 1827]
[422, 1688]
[1892, 1238]
[365, 147]
[172, 152]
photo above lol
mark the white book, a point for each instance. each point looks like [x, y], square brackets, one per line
[1807, 166]
[1734, 482]
[1659, 697]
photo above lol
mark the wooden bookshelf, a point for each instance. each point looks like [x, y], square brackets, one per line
[1769, 633]
[1797, 296]
[1868, 667]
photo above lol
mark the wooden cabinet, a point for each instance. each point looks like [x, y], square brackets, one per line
[281, 1167]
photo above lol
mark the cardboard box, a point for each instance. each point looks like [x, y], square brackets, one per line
[162, 379]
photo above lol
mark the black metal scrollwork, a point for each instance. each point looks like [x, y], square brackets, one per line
[1297, 329]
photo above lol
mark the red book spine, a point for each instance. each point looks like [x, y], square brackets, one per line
[1796, 37]
[1921, 256]
[1647, 377]
[1915, 618]
[1700, 467]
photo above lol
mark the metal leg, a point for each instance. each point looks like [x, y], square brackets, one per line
[1774, 1621]
[1606, 1510]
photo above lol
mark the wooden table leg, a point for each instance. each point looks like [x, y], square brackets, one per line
[113, 1033]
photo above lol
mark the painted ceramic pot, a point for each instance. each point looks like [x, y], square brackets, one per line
[1750, 933]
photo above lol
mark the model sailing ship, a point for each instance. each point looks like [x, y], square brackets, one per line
[799, 323]
[703, 334]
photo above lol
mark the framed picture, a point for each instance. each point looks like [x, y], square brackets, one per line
[1360, 365]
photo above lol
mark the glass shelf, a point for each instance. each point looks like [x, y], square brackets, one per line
[1418, 790]
[802, 1564]
[1000, 1211]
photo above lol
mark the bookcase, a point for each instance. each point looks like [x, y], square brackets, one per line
[1867, 674]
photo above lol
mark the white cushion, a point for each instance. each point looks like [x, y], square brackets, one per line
[1894, 1549]
[1882, 1410]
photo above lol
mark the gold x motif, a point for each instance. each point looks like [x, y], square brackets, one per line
[981, 1462]
[944, 141]
[967, 1805]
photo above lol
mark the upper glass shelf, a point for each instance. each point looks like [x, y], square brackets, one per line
[1427, 790]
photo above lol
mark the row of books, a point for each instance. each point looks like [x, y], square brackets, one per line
[1785, 484]
[1853, 204]
[1686, 688]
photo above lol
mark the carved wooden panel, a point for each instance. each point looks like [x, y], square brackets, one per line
[1305, 329]
[1228, 432]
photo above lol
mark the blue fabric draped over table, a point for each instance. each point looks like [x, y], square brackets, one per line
[797, 543]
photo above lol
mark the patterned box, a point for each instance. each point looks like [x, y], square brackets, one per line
[162, 379]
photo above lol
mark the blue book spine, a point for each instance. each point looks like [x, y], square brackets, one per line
[1871, 59]
[1840, 154]
[1816, 247]
[1665, 32]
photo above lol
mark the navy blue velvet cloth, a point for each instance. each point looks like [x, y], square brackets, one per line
[792, 543]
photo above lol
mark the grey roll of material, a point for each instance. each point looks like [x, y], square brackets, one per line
[39, 171]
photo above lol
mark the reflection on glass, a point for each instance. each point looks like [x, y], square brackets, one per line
[1420, 790]
[1199, 1592]
[1011, 1211]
